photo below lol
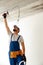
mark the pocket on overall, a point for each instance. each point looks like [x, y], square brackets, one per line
[19, 59]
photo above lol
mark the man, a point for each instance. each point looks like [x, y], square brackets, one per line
[15, 53]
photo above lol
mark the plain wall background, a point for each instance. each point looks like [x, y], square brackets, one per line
[32, 31]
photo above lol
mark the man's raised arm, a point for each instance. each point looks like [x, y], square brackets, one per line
[5, 21]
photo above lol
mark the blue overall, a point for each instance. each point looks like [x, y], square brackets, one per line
[14, 46]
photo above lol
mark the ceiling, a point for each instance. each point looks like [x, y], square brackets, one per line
[12, 4]
[20, 7]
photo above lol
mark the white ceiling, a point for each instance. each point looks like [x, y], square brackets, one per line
[26, 7]
[12, 4]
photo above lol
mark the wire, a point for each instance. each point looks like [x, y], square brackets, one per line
[22, 62]
[18, 15]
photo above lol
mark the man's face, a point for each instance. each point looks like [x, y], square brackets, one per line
[15, 29]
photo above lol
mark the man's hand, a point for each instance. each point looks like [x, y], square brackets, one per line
[5, 15]
[24, 57]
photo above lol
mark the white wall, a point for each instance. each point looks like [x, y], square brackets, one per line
[32, 31]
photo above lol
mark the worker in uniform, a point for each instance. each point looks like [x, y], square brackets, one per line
[15, 53]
